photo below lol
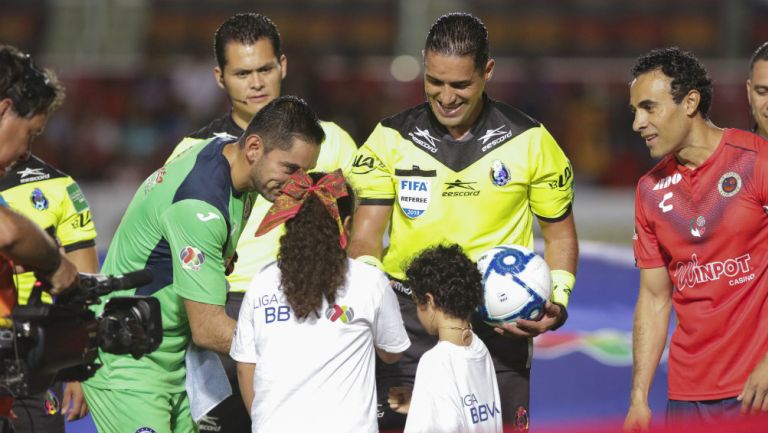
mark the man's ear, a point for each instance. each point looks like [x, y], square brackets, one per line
[6, 106]
[692, 101]
[283, 66]
[488, 71]
[219, 74]
[253, 148]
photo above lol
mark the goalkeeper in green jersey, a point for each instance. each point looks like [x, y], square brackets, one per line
[183, 223]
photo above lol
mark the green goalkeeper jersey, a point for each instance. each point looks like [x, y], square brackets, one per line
[336, 151]
[183, 223]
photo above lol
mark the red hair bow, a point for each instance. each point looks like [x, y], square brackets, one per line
[296, 190]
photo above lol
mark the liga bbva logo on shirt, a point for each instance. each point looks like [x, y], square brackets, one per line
[413, 195]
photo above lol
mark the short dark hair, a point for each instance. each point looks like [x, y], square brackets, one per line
[247, 29]
[459, 34]
[33, 91]
[685, 70]
[761, 53]
[450, 276]
[283, 119]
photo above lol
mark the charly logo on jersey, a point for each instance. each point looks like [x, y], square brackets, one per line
[39, 201]
[498, 135]
[668, 181]
[729, 184]
[154, 179]
[691, 273]
[423, 138]
[413, 195]
[500, 175]
[340, 312]
[32, 174]
[664, 204]
[457, 188]
[697, 226]
[191, 258]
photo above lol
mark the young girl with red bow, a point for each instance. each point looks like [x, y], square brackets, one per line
[312, 323]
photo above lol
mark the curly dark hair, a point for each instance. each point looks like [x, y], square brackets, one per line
[246, 29]
[685, 70]
[459, 34]
[450, 276]
[312, 263]
[33, 91]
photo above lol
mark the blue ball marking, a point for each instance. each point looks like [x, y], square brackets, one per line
[499, 266]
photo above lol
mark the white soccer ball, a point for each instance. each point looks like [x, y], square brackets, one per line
[516, 284]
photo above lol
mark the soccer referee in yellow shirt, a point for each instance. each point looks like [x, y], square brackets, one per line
[463, 168]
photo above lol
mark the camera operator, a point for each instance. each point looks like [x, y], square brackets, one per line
[27, 97]
[25, 244]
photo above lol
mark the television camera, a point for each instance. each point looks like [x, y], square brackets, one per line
[60, 341]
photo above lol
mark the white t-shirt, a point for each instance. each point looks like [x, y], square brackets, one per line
[455, 390]
[317, 375]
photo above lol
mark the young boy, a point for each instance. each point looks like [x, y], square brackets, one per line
[455, 389]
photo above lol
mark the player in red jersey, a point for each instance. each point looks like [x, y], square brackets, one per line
[701, 229]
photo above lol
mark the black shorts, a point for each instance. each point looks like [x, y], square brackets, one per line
[511, 359]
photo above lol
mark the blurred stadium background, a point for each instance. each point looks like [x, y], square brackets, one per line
[139, 76]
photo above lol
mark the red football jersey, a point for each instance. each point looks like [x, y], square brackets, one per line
[708, 226]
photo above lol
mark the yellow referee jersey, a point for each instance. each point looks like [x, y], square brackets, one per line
[54, 201]
[254, 253]
[478, 192]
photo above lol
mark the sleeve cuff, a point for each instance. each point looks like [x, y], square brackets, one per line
[562, 286]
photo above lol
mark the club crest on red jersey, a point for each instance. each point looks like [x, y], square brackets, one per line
[729, 184]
